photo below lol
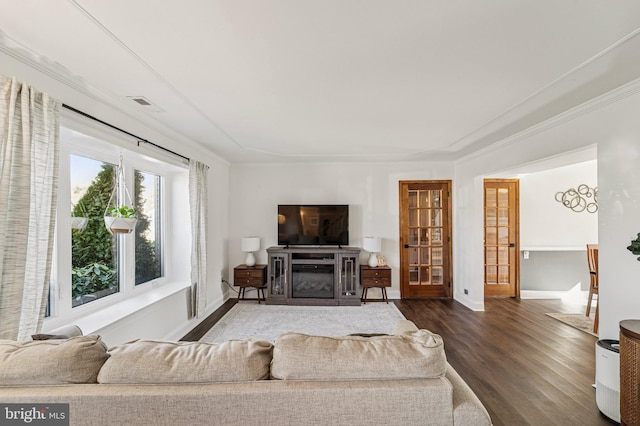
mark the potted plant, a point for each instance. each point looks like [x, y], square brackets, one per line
[120, 220]
[635, 246]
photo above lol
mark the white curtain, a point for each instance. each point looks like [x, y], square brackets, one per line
[198, 204]
[29, 152]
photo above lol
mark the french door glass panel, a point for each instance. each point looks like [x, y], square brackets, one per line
[425, 237]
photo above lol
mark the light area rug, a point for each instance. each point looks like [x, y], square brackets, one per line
[266, 322]
[579, 321]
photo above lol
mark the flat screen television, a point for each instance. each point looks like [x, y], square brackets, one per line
[313, 225]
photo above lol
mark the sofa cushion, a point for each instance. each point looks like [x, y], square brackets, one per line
[149, 361]
[51, 362]
[410, 356]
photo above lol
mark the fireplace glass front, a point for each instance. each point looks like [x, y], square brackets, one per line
[312, 281]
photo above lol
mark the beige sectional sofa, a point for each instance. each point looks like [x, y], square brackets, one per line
[402, 379]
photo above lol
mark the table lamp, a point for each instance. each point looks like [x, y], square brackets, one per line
[250, 245]
[373, 245]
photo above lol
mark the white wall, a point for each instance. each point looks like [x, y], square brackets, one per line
[619, 219]
[545, 224]
[370, 190]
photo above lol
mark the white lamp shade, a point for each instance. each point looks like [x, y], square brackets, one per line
[250, 244]
[372, 244]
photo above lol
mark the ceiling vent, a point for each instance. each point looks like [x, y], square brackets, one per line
[145, 104]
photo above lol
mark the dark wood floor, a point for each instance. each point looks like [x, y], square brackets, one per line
[526, 367]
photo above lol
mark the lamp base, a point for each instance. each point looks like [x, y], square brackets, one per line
[251, 259]
[373, 260]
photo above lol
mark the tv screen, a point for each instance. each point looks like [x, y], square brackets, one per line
[314, 225]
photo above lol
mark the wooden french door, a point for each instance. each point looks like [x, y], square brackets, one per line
[501, 238]
[425, 239]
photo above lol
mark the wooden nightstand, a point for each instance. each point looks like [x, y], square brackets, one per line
[379, 277]
[250, 276]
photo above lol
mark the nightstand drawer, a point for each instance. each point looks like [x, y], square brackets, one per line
[375, 273]
[375, 277]
[249, 276]
[375, 282]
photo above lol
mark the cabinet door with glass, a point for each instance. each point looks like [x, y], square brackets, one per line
[278, 277]
[349, 276]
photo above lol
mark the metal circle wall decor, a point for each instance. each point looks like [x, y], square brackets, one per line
[579, 200]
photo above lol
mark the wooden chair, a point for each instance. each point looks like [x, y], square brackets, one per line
[592, 261]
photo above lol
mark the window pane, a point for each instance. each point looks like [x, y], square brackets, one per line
[424, 217]
[490, 197]
[424, 199]
[413, 256]
[424, 236]
[436, 217]
[437, 275]
[491, 217]
[435, 198]
[436, 236]
[424, 256]
[413, 236]
[94, 251]
[424, 275]
[413, 199]
[148, 235]
[413, 217]
[503, 197]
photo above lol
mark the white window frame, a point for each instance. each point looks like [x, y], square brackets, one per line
[103, 146]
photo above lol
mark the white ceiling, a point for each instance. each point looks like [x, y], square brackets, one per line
[334, 80]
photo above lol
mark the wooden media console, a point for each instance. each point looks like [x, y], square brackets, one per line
[313, 276]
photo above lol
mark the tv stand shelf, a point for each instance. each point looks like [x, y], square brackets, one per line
[313, 276]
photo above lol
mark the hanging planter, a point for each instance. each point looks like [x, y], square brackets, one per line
[119, 216]
[79, 223]
[122, 220]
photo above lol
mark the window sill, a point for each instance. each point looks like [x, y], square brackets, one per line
[103, 317]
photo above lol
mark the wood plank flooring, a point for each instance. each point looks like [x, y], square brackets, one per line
[526, 367]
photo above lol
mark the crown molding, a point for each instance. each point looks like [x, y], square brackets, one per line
[611, 97]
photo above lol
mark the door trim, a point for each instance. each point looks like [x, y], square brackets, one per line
[516, 182]
[404, 274]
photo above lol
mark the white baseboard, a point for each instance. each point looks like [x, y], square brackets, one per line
[542, 294]
[573, 296]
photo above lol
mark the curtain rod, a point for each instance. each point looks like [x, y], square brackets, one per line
[70, 108]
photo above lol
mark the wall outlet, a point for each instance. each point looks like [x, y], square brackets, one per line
[466, 291]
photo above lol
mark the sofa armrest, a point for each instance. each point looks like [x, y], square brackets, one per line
[404, 326]
[467, 408]
[67, 330]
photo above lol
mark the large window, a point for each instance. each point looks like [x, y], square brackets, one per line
[94, 251]
[148, 237]
[95, 269]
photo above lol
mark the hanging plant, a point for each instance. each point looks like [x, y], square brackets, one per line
[635, 246]
[79, 223]
[119, 216]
